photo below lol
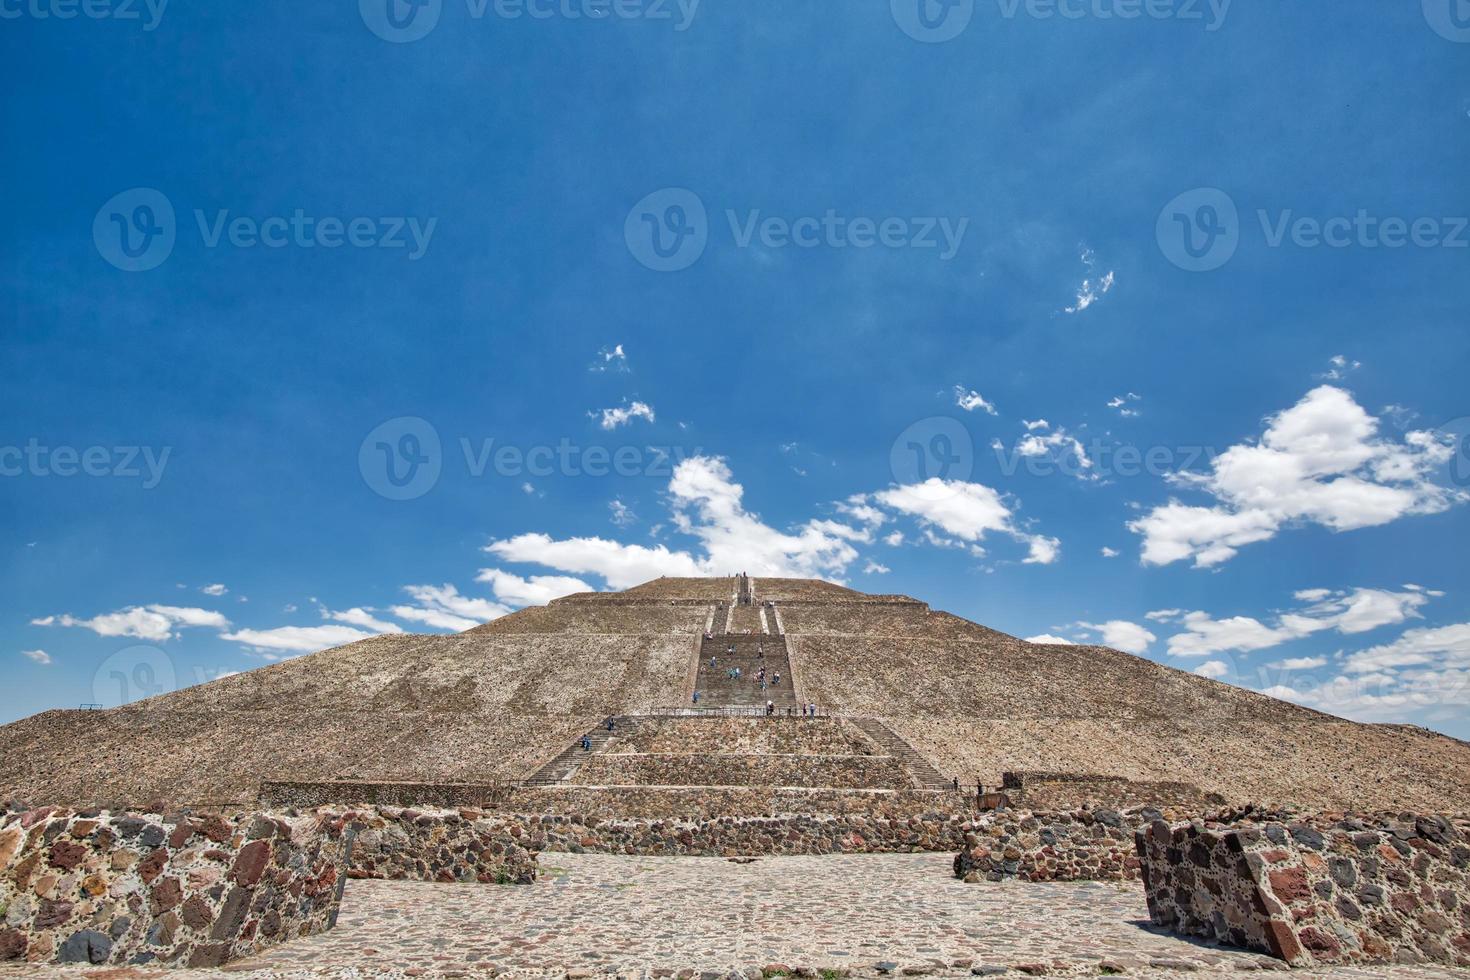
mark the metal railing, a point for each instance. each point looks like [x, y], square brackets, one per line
[732, 711]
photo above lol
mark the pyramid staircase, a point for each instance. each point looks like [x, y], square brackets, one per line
[925, 776]
[560, 769]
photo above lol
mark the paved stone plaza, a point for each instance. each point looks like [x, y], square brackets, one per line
[869, 914]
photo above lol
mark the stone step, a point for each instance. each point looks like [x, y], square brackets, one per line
[925, 776]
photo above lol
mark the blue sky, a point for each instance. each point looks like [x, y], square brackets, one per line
[807, 269]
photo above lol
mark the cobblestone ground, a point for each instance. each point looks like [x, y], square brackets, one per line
[708, 917]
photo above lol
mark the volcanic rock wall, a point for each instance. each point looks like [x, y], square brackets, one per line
[128, 888]
[728, 769]
[1376, 890]
[465, 846]
[1084, 845]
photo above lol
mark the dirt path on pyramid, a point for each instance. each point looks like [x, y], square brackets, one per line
[637, 916]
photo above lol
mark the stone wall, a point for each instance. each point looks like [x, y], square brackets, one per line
[1384, 889]
[780, 735]
[1058, 790]
[1084, 845]
[729, 769]
[444, 846]
[126, 888]
[656, 802]
[739, 836]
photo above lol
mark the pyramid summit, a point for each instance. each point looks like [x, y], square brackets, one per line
[874, 693]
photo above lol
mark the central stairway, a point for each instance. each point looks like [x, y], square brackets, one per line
[752, 652]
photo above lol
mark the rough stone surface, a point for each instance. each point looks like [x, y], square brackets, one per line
[972, 701]
[645, 918]
[107, 888]
[1313, 891]
[1079, 846]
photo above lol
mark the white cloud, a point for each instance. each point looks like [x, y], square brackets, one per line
[1347, 612]
[1339, 368]
[1092, 289]
[1421, 678]
[216, 589]
[442, 607]
[708, 505]
[1239, 633]
[1319, 462]
[1057, 443]
[970, 400]
[1121, 635]
[622, 515]
[622, 565]
[1109, 552]
[610, 359]
[1439, 648]
[37, 656]
[358, 616]
[296, 639]
[1213, 669]
[966, 512]
[1163, 615]
[1042, 550]
[1046, 639]
[1121, 405]
[614, 417]
[857, 507]
[1299, 663]
[537, 590]
[153, 622]
[874, 568]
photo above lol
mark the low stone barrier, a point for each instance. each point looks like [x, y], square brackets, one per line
[126, 888]
[464, 846]
[1084, 845]
[1382, 889]
[739, 836]
[1060, 790]
[628, 802]
[729, 769]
